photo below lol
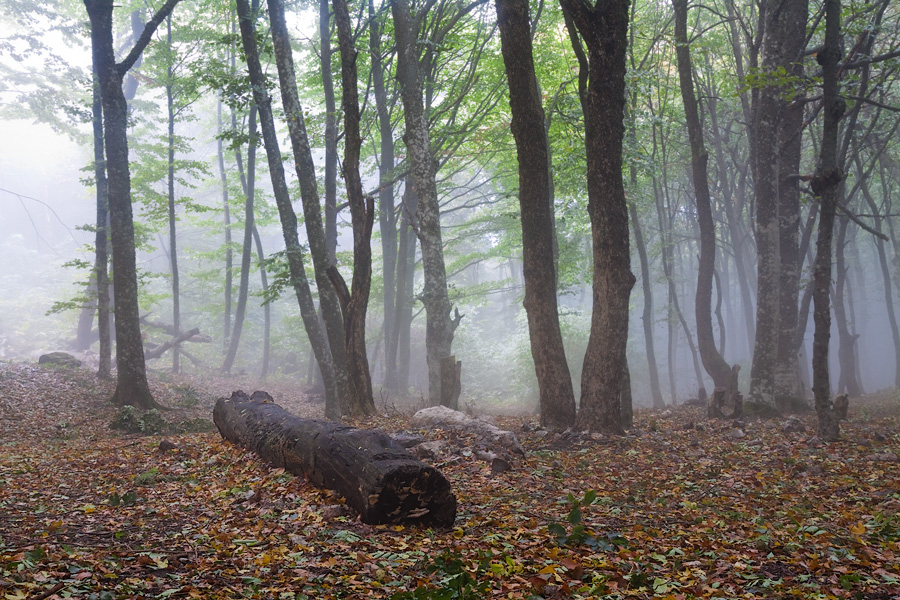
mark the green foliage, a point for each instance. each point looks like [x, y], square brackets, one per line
[129, 420]
[188, 395]
[148, 477]
[453, 578]
[129, 498]
[579, 535]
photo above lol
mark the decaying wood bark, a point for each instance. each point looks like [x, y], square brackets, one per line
[375, 474]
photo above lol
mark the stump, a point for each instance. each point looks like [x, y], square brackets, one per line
[376, 475]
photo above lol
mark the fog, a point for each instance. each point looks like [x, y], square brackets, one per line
[48, 210]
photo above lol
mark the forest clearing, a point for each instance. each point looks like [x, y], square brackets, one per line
[682, 507]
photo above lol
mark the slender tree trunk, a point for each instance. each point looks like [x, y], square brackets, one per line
[293, 250]
[229, 252]
[848, 379]
[439, 326]
[713, 362]
[312, 209]
[173, 248]
[102, 237]
[249, 184]
[387, 221]
[267, 307]
[132, 387]
[331, 132]
[398, 344]
[825, 184]
[557, 398]
[604, 28]
[362, 215]
[647, 315]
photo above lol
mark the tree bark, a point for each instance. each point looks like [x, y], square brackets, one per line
[288, 219]
[377, 476]
[713, 361]
[131, 374]
[604, 28]
[825, 184]
[362, 216]
[387, 218]
[312, 209]
[647, 315]
[229, 252]
[439, 326]
[173, 247]
[248, 183]
[101, 244]
[788, 385]
[557, 398]
[331, 132]
[848, 377]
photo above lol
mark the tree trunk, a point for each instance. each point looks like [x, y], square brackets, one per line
[293, 250]
[229, 252]
[713, 361]
[825, 184]
[267, 307]
[362, 215]
[376, 475]
[312, 209]
[331, 133]
[101, 263]
[248, 182]
[131, 383]
[557, 398]
[387, 220]
[397, 350]
[848, 379]
[173, 248]
[788, 385]
[604, 28]
[439, 326]
[765, 179]
[647, 315]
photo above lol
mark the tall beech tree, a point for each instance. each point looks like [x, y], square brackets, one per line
[825, 184]
[293, 250]
[131, 373]
[713, 361]
[439, 325]
[604, 28]
[792, 28]
[557, 398]
[312, 209]
[362, 214]
[781, 49]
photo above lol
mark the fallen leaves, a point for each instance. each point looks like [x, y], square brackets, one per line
[674, 512]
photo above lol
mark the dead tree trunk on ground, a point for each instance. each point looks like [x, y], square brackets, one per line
[376, 475]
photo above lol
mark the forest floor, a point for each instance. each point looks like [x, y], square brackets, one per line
[681, 508]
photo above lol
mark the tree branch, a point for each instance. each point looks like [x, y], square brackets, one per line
[145, 38]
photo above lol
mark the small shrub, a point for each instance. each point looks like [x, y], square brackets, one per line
[130, 420]
[148, 477]
[188, 395]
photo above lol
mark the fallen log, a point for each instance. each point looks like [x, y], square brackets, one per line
[375, 474]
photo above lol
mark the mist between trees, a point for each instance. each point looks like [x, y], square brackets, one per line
[346, 194]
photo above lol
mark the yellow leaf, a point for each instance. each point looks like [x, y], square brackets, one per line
[458, 533]
[549, 569]
[859, 528]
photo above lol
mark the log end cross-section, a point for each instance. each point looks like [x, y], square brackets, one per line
[376, 475]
